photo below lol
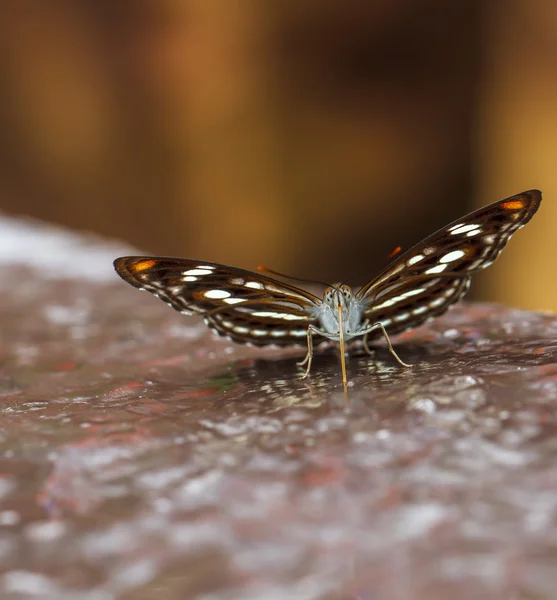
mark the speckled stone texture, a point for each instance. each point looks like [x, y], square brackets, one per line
[142, 458]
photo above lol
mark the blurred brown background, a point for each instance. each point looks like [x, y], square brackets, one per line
[312, 137]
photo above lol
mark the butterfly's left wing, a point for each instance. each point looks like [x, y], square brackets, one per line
[244, 306]
[427, 279]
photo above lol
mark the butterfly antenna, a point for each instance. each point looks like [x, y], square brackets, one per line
[272, 272]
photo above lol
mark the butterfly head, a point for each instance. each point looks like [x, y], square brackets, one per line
[335, 296]
[338, 294]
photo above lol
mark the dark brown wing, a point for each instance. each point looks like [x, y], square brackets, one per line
[427, 279]
[246, 307]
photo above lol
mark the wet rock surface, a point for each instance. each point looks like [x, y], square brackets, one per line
[141, 457]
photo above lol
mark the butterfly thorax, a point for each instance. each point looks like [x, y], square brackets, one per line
[327, 312]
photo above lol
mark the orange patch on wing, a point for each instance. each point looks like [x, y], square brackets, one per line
[513, 205]
[144, 265]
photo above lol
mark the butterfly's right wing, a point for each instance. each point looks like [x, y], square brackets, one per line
[244, 306]
[430, 277]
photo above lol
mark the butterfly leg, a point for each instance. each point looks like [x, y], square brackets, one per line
[364, 340]
[366, 347]
[389, 345]
[309, 355]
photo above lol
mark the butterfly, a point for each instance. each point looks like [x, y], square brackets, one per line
[417, 285]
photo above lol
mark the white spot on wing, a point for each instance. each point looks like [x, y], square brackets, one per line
[412, 293]
[240, 329]
[278, 332]
[437, 302]
[254, 285]
[397, 299]
[237, 281]
[217, 294]
[387, 303]
[233, 300]
[259, 332]
[402, 316]
[436, 269]
[452, 256]
[454, 227]
[198, 272]
[275, 315]
[473, 232]
[463, 229]
[188, 278]
[209, 267]
[419, 310]
[415, 259]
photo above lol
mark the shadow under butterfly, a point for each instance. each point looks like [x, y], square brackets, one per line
[416, 286]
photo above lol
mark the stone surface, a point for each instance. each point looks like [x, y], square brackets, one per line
[141, 457]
